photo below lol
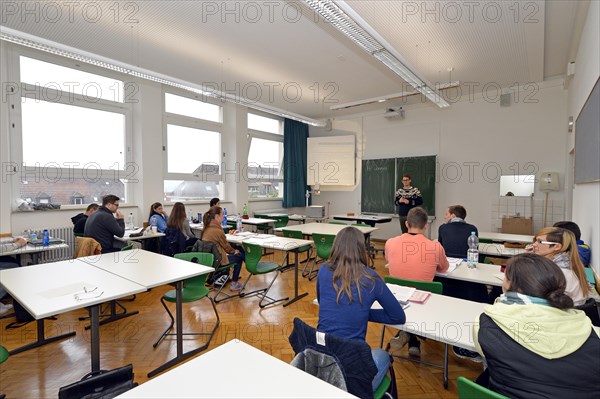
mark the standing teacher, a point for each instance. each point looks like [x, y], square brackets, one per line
[407, 198]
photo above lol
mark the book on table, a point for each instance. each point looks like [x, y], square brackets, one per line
[408, 294]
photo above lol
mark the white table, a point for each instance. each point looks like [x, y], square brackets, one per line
[371, 220]
[276, 243]
[444, 319]
[256, 373]
[495, 249]
[33, 250]
[309, 229]
[49, 289]
[503, 237]
[483, 274]
[149, 270]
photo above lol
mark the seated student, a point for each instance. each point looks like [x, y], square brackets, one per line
[215, 202]
[213, 232]
[7, 262]
[585, 253]
[158, 217]
[415, 257]
[559, 246]
[454, 233]
[535, 344]
[80, 219]
[102, 226]
[178, 220]
[346, 289]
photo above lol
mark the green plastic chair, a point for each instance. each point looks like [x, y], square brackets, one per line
[255, 266]
[323, 245]
[127, 247]
[336, 222]
[78, 234]
[194, 289]
[281, 221]
[3, 354]
[307, 248]
[468, 389]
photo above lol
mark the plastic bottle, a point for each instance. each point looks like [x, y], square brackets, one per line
[245, 211]
[153, 226]
[239, 226]
[45, 238]
[473, 251]
[130, 222]
[224, 224]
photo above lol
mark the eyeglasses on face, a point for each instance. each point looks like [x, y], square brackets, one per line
[540, 241]
[405, 179]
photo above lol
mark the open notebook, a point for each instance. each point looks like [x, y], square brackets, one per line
[408, 294]
[454, 263]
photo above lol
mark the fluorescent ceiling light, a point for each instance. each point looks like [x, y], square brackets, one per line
[347, 21]
[395, 96]
[48, 46]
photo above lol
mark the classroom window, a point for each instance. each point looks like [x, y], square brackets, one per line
[192, 108]
[71, 133]
[46, 76]
[192, 155]
[265, 157]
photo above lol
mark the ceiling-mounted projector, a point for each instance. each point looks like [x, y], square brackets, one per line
[394, 113]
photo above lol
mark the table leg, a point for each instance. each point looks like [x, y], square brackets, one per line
[114, 316]
[296, 296]
[95, 337]
[446, 366]
[181, 356]
[41, 340]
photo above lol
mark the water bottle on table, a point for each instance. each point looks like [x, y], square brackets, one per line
[45, 238]
[130, 221]
[224, 223]
[473, 251]
[239, 225]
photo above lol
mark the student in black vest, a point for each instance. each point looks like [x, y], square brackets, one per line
[535, 343]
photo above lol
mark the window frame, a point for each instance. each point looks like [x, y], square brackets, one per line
[170, 118]
[259, 134]
[30, 91]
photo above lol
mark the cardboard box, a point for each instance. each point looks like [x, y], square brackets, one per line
[517, 225]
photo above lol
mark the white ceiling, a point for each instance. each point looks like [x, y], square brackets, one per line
[247, 47]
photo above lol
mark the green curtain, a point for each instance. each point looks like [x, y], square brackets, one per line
[294, 163]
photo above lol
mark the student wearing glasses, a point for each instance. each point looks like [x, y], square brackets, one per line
[535, 344]
[407, 198]
[102, 225]
[559, 245]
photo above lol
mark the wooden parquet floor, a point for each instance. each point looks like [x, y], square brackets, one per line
[40, 372]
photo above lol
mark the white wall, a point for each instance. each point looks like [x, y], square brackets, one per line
[478, 133]
[586, 197]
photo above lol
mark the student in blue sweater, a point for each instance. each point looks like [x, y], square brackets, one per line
[346, 289]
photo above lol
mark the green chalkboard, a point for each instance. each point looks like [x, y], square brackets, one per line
[378, 185]
[422, 174]
[381, 178]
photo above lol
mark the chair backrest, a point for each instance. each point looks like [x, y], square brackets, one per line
[323, 244]
[592, 310]
[360, 225]
[127, 247]
[430, 286]
[86, 246]
[173, 242]
[202, 258]
[253, 255]
[78, 234]
[281, 221]
[335, 222]
[3, 354]
[352, 356]
[468, 389]
[293, 234]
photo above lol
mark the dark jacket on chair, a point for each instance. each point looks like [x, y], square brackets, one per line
[353, 357]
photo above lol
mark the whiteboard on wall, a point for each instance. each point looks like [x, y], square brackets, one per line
[331, 161]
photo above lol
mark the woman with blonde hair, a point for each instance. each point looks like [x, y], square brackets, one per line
[346, 289]
[559, 245]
